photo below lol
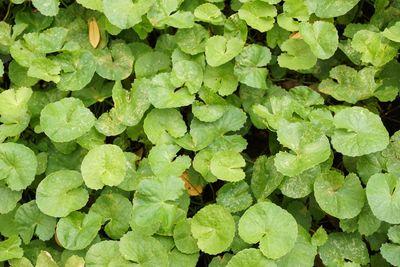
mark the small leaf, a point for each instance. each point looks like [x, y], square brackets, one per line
[192, 189]
[94, 33]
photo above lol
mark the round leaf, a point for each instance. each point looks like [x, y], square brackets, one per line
[60, 193]
[226, 165]
[220, 50]
[272, 226]
[321, 36]
[106, 253]
[333, 8]
[383, 194]
[18, 165]
[214, 228]
[358, 132]
[250, 257]
[77, 230]
[144, 250]
[338, 196]
[66, 120]
[103, 165]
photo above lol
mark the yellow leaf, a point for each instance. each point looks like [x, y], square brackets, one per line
[94, 33]
[193, 190]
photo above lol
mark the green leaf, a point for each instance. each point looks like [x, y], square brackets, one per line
[300, 185]
[129, 107]
[44, 259]
[8, 199]
[248, 66]
[221, 79]
[250, 257]
[272, 226]
[75, 261]
[184, 241]
[394, 234]
[92, 4]
[321, 36]
[150, 63]
[125, 13]
[164, 162]
[31, 220]
[10, 248]
[265, 178]
[163, 125]
[77, 70]
[342, 247]
[155, 207]
[214, 228]
[209, 13]
[163, 94]
[346, 84]
[338, 196]
[46, 42]
[226, 166]
[309, 145]
[358, 132]
[393, 32]
[77, 230]
[47, 7]
[220, 49]
[192, 40]
[18, 165]
[19, 75]
[234, 197]
[298, 56]
[66, 120]
[108, 125]
[44, 69]
[333, 8]
[319, 237]
[391, 253]
[383, 194]
[374, 48]
[258, 15]
[114, 63]
[303, 253]
[103, 165]
[105, 253]
[116, 211]
[60, 193]
[144, 250]
[187, 73]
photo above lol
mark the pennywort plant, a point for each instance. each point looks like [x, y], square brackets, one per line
[199, 133]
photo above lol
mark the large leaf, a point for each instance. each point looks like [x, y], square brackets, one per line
[339, 196]
[60, 193]
[214, 228]
[346, 84]
[18, 165]
[103, 165]
[383, 194]
[272, 226]
[66, 120]
[358, 132]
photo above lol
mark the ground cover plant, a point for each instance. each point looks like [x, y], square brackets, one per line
[199, 133]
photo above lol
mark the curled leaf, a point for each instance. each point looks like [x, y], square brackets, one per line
[94, 33]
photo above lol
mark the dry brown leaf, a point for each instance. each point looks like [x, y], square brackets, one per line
[193, 190]
[295, 35]
[94, 33]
